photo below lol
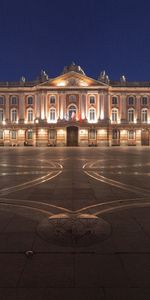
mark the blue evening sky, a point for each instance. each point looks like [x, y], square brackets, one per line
[111, 34]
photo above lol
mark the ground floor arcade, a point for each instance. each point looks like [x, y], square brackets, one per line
[73, 135]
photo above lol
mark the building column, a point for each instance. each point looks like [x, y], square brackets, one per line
[138, 110]
[123, 108]
[42, 107]
[21, 108]
[101, 103]
[7, 115]
[107, 106]
[83, 106]
[37, 106]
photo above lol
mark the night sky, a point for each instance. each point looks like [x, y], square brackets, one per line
[111, 34]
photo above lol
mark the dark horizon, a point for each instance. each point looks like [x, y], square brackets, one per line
[109, 35]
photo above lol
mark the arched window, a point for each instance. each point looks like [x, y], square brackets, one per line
[13, 115]
[72, 112]
[115, 134]
[13, 134]
[92, 100]
[30, 100]
[52, 115]
[30, 115]
[131, 115]
[92, 134]
[131, 135]
[29, 134]
[92, 115]
[52, 99]
[1, 115]
[144, 115]
[52, 134]
[114, 115]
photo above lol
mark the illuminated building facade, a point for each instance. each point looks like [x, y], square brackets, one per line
[74, 110]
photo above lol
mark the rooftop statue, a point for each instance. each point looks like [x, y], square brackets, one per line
[73, 68]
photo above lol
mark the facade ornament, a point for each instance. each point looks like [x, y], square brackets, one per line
[103, 77]
[122, 79]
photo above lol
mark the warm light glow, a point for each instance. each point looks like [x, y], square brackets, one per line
[102, 131]
[83, 131]
[61, 83]
[42, 131]
[60, 131]
[21, 131]
[61, 114]
[42, 114]
[102, 115]
[4, 122]
[123, 131]
[83, 83]
[36, 121]
[83, 115]
[6, 131]
[92, 121]
[51, 121]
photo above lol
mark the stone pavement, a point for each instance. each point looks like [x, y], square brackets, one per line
[115, 264]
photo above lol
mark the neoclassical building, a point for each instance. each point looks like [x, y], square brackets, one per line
[74, 110]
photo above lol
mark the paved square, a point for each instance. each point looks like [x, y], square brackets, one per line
[75, 223]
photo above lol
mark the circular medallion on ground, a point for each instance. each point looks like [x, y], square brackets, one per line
[74, 230]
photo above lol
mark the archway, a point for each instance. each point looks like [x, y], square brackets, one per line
[145, 139]
[72, 136]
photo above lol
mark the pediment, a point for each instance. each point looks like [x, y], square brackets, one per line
[73, 79]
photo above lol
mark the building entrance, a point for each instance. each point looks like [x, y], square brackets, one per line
[72, 136]
[145, 137]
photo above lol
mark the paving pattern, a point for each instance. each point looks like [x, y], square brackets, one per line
[74, 223]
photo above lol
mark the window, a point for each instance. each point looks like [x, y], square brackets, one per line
[30, 100]
[144, 115]
[13, 100]
[92, 134]
[1, 115]
[1, 135]
[144, 101]
[52, 134]
[131, 134]
[92, 114]
[13, 135]
[115, 134]
[52, 115]
[29, 134]
[30, 115]
[92, 100]
[1, 100]
[131, 100]
[131, 115]
[114, 115]
[72, 98]
[72, 112]
[52, 99]
[14, 115]
[114, 100]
